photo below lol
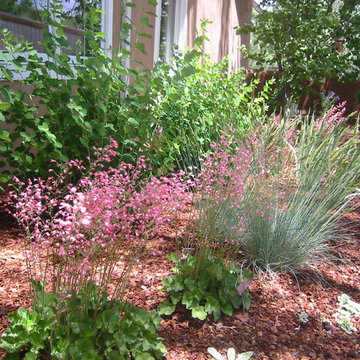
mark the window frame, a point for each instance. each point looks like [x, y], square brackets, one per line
[176, 28]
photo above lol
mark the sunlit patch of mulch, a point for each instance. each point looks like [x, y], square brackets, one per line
[271, 328]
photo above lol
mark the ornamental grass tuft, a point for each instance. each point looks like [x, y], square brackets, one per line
[308, 195]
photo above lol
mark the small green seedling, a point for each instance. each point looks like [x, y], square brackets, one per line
[347, 309]
[303, 317]
[327, 324]
[343, 319]
[231, 354]
[349, 305]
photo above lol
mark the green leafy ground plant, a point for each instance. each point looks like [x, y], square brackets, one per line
[106, 330]
[214, 288]
[303, 317]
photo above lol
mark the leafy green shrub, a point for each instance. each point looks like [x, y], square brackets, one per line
[170, 114]
[106, 330]
[189, 102]
[298, 39]
[79, 98]
[213, 288]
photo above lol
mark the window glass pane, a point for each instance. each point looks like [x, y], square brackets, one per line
[24, 19]
[25, 8]
[163, 28]
[74, 12]
[167, 29]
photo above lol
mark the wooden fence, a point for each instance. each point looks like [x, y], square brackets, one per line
[349, 92]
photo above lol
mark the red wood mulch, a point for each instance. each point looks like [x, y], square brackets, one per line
[271, 328]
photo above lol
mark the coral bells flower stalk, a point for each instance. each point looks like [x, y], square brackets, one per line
[336, 115]
[221, 186]
[233, 185]
[100, 223]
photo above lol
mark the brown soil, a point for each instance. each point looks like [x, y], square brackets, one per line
[271, 328]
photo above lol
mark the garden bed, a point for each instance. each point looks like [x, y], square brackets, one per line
[271, 328]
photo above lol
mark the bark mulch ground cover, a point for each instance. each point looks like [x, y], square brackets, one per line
[271, 328]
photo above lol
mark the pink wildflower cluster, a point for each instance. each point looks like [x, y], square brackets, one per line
[239, 182]
[108, 215]
[336, 114]
[289, 129]
[223, 186]
[333, 117]
[224, 171]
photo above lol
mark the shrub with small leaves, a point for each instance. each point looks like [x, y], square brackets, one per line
[79, 97]
[215, 288]
[188, 102]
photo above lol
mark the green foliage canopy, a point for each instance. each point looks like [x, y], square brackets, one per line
[298, 38]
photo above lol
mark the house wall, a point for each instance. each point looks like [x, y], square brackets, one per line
[117, 20]
[244, 10]
[224, 16]
[139, 59]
